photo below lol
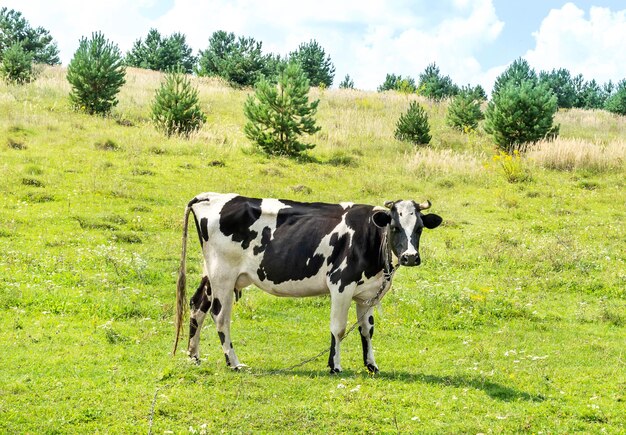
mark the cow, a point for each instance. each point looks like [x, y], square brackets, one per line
[297, 249]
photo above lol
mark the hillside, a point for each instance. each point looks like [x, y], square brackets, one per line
[515, 322]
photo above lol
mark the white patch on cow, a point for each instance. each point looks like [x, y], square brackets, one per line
[215, 198]
[369, 287]
[271, 207]
[408, 220]
[346, 205]
[326, 249]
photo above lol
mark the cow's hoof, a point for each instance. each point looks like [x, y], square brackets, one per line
[194, 359]
[372, 368]
[335, 370]
[239, 367]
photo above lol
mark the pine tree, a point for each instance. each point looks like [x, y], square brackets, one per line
[521, 114]
[37, 42]
[161, 53]
[464, 110]
[560, 82]
[478, 92]
[176, 108]
[96, 74]
[616, 103]
[519, 71]
[435, 86]
[591, 96]
[237, 60]
[398, 83]
[317, 67]
[413, 125]
[279, 114]
[347, 83]
[16, 65]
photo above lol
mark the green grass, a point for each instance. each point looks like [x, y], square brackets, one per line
[515, 322]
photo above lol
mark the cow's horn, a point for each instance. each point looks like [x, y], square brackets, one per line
[423, 206]
[389, 204]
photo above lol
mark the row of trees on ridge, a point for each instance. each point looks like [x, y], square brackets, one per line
[521, 109]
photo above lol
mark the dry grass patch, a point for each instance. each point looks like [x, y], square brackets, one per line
[598, 126]
[428, 162]
[571, 154]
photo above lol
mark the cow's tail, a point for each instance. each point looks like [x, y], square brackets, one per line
[181, 284]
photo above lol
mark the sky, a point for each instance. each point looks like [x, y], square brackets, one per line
[472, 41]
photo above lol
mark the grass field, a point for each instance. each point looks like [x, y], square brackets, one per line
[515, 322]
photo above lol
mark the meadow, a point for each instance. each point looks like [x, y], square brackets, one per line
[514, 323]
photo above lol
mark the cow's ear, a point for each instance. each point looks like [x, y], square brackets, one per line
[381, 218]
[431, 220]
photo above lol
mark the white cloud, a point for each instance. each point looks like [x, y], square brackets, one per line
[121, 21]
[592, 46]
[366, 39]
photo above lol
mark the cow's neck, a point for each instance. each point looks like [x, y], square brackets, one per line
[390, 265]
[390, 260]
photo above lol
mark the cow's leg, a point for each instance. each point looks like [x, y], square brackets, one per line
[339, 306]
[365, 314]
[221, 309]
[199, 305]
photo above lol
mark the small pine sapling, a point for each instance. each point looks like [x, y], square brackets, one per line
[413, 125]
[278, 114]
[176, 108]
[96, 74]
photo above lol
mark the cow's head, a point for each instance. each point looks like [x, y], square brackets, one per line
[406, 222]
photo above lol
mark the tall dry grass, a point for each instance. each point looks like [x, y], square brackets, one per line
[353, 122]
[598, 126]
[571, 154]
[427, 162]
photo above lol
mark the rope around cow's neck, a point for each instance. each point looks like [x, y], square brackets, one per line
[389, 269]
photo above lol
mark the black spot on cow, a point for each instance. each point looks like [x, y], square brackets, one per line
[236, 218]
[203, 229]
[222, 337]
[340, 247]
[216, 307]
[284, 260]
[227, 359]
[361, 252]
[331, 357]
[193, 327]
[261, 273]
[371, 320]
[364, 344]
[366, 256]
[266, 236]
[201, 235]
[199, 232]
[372, 332]
[200, 300]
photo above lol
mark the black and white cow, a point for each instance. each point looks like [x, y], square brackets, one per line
[298, 249]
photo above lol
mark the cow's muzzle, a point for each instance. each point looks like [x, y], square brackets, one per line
[410, 260]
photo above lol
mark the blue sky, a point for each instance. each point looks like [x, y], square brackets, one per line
[522, 18]
[471, 40]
